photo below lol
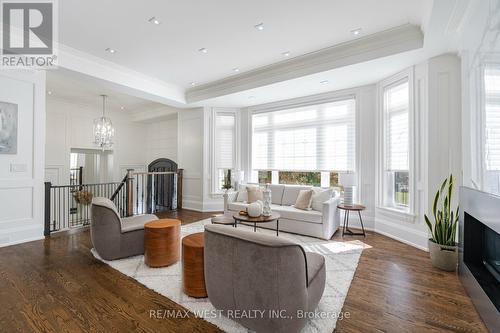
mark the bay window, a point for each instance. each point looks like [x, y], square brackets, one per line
[396, 145]
[491, 129]
[309, 144]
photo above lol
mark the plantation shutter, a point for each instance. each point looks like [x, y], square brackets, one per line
[225, 140]
[492, 118]
[396, 108]
[309, 138]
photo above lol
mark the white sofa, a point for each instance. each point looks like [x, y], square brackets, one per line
[321, 223]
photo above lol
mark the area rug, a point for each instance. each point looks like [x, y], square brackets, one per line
[341, 262]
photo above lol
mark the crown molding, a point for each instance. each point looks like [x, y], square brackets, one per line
[385, 43]
[157, 114]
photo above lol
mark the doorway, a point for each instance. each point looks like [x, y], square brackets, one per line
[88, 166]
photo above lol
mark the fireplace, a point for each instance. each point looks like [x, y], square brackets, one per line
[479, 248]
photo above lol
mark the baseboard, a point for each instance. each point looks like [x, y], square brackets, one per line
[23, 234]
[412, 237]
[20, 241]
[197, 206]
[213, 206]
[368, 221]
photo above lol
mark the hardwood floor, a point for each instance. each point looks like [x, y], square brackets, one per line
[396, 289]
[56, 285]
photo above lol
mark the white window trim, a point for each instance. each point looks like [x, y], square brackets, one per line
[305, 101]
[407, 74]
[236, 162]
[481, 131]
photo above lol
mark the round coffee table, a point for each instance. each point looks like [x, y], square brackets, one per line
[261, 219]
[161, 242]
[193, 272]
[226, 219]
[348, 209]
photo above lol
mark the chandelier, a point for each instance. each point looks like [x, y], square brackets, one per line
[103, 129]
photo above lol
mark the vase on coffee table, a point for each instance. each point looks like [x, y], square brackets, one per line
[266, 195]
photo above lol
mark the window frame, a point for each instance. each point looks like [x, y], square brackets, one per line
[323, 98]
[214, 179]
[382, 182]
[482, 125]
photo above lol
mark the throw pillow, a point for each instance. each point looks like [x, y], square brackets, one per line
[253, 194]
[304, 200]
[319, 197]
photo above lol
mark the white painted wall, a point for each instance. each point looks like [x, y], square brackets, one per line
[70, 125]
[21, 191]
[161, 139]
[191, 146]
[479, 43]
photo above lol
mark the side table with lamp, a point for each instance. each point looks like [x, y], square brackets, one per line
[349, 181]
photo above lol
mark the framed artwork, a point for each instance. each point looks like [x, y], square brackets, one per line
[8, 128]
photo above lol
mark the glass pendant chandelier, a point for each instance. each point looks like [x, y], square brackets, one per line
[103, 129]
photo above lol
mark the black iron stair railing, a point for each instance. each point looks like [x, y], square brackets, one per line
[69, 206]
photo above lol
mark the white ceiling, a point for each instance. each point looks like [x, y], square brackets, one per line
[79, 89]
[169, 51]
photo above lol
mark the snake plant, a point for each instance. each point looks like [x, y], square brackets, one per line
[445, 219]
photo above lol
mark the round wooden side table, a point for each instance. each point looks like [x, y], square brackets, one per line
[161, 242]
[193, 272]
[348, 209]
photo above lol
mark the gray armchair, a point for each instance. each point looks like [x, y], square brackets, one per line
[249, 271]
[114, 237]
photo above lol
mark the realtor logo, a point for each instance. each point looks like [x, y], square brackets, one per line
[28, 34]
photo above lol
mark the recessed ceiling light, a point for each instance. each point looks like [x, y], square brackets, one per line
[356, 32]
[236, 69]
[251, 97]
[324, 82]
[193, 84]
[286, 54]
[49, 92]
[259, 26]
[154, 20]
[203, 50]
[122, 108]
[110, 50]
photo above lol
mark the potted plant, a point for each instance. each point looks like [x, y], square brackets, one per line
[83, 197]
[442, 245]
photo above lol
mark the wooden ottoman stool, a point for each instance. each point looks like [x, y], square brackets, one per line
[161, 242]
[193, 276]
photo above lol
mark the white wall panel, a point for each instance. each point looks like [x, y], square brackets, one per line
[17, 204]
[190, 156]
[21, 188]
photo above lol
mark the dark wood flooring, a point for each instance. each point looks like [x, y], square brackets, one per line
[56, 285]
[396, 289]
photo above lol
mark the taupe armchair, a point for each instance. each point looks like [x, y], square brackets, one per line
[114, 237]
[249, 271]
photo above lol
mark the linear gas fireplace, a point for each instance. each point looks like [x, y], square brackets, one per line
[479, 238]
